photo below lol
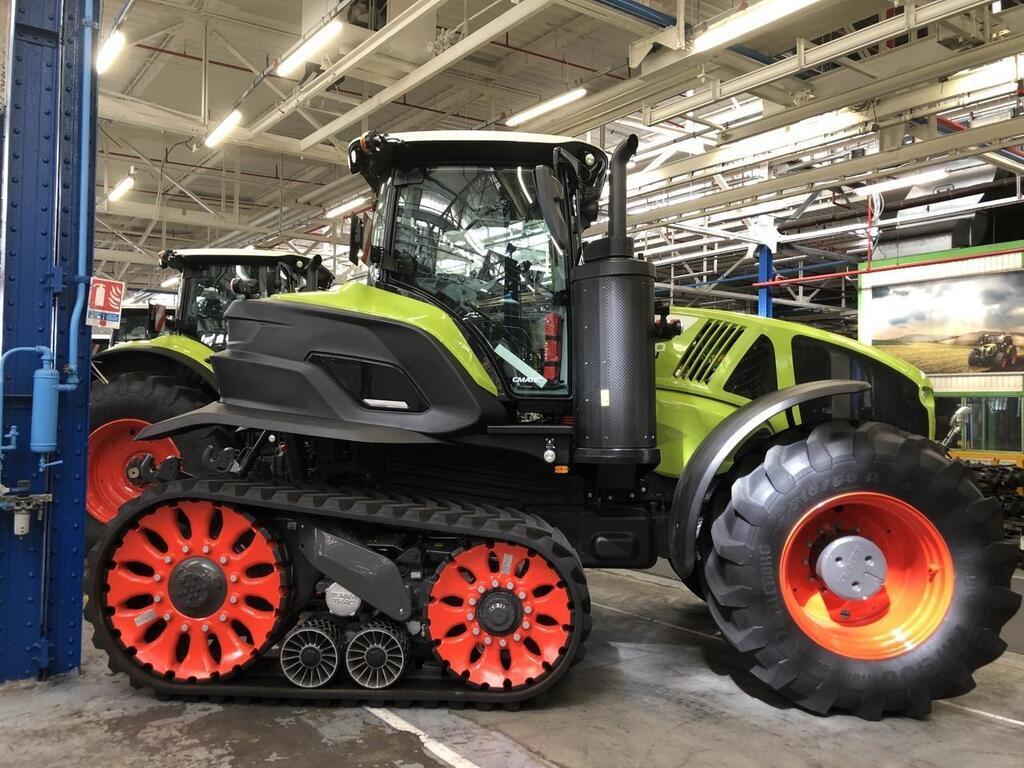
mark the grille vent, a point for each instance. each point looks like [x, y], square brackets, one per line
[712, 342]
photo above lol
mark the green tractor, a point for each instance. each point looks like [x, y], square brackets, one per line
[994, 352]
[166, 371]
[428, 462]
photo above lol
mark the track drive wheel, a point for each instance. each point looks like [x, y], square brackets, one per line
[118, 411]
[193, 591]
[861, 569]
[500, 616]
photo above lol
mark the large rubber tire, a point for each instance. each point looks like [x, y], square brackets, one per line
[150, 399]
[744, 579]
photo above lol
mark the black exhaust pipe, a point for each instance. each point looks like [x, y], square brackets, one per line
[612, 297]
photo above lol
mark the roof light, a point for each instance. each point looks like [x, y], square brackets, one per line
[171, 282]
[900, 183]
[351, 205]
[122, 187]
[309, 48]
[753, 18]
[109, 51]
[546, 106]
[226, 126]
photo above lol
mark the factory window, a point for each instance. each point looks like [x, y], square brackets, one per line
[995, 424]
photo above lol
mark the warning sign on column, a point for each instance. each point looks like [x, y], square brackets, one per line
[105, 297]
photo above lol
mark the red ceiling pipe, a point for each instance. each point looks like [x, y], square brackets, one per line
[887, 268]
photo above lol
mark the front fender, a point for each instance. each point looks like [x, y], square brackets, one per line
[721, 443]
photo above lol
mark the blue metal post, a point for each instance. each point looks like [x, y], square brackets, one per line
[45, 203]
[764, 274]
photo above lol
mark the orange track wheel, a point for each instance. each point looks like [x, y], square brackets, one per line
[112, 448]
[194, 591]
[499, 614]
[903, 612]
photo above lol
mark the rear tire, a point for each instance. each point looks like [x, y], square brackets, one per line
[133, 400]
[820, 662]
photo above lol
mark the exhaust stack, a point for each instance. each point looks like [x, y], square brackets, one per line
[612, 297]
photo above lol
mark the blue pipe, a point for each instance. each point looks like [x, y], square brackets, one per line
[642, 12]
[84, 188]
[11, 437]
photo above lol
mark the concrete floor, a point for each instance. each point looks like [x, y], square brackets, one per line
[657, 688]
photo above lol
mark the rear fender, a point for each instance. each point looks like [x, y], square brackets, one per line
[142, 357]
[721, 443]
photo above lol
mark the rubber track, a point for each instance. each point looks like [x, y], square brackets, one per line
[414, 514]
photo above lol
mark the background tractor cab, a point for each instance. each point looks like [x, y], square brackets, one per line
[165, 370]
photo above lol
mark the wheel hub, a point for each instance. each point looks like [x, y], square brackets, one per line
[376, 657]
[197, 587]
[499, 612]
[852, 567]
[310, 656]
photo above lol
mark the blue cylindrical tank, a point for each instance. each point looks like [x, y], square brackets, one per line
[44, 410]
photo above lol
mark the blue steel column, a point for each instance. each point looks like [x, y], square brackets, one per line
[764, 274]
[40, 573]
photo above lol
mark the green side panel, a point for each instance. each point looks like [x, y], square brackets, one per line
[367, 300]
[183, 345]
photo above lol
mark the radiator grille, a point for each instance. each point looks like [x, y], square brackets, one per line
[712, 342]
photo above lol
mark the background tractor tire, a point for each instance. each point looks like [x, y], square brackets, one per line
[118, 410]
[947, 584]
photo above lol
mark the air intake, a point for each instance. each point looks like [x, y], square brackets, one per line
[705, 353]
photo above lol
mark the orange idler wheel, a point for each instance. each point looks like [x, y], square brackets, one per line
[194, 592]
[896, 615]
[112, 448]
[499, 615]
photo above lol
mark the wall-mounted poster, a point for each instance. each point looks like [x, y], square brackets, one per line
[972, 324]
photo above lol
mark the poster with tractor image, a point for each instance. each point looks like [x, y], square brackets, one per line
[971, 324]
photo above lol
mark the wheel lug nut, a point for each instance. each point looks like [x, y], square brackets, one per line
[502, 643]
[476, 630]
[510, 586]
[157, 598]
[206, 549]
[234, 577]
[223, 617]
[223, 560]
[480, 590]
[528, 610]
[167, 558]
[184, 627]
[526, 625]
[522, 595]
[472, 601]
[234, 599]
[167, 617]
[469, 617]
[186, 549]
[494, 583]
[517, 637]
[206, 627]
[487, 641]
[157, 577]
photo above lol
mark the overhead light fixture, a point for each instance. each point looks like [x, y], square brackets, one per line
[309, 48]
[122, 187]
[171, 282]
[903, 181]
[109, 51]
[226, 126]
[546, 106]
[753, 18]
[351, 205]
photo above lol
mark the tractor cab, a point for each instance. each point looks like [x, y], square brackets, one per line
[487, 226]
[212, 278]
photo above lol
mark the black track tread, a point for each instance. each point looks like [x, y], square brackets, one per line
[476, 521]
[728, 571]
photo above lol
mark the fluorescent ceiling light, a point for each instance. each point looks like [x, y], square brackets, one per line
[226, 126]
[546, 106]
[750, 20]
[121, 188]
[351, 205]
[904, 181]
[171, 282]
[109, 51]
[313, 45]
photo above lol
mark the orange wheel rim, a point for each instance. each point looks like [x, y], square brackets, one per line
[917, 590]
[112, 447]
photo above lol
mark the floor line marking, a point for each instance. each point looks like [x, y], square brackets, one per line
[640, 616]
[983, 713]
[442, 752]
